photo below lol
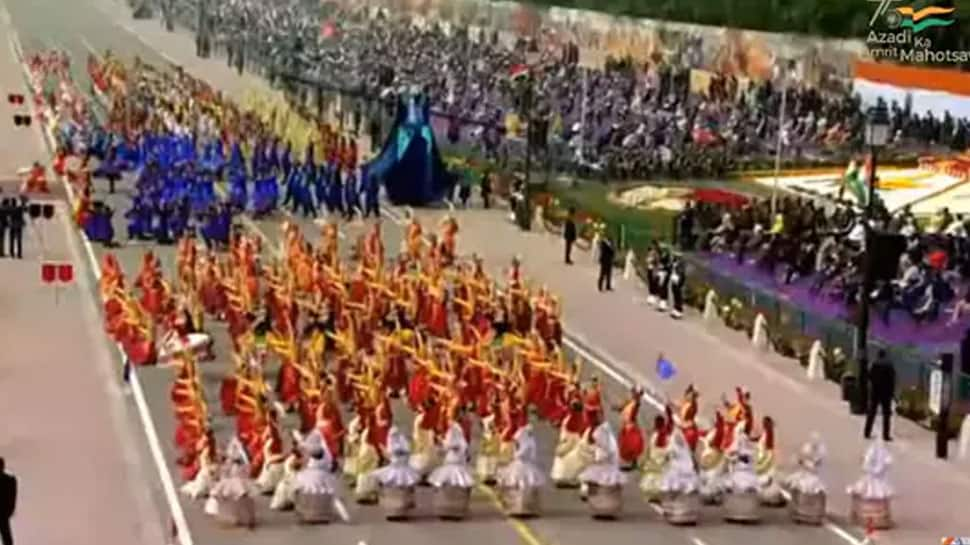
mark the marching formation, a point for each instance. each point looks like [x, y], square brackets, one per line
[478, 363]
[332, 355]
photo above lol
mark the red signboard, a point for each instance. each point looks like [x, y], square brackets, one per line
[57, 272]
[48, 273]
[65, 273]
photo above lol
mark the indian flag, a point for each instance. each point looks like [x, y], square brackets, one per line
[855, 183]
[856, 180]
[518, 72]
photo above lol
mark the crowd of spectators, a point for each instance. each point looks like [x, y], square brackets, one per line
[825, 245]
[624, 120]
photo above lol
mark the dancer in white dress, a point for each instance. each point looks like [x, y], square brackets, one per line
[316, 484]
[874, 483]
[316, 478]
[806, 478]
[398, 472]
[741, 477]
[808, 494]
[605, 470]
[872, 494]
[454, 471]
[231, 498]
[522, 473]
[679, 474]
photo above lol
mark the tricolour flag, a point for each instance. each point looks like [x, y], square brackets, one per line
[518, 72]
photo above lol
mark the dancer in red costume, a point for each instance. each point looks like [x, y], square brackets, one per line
[631, 436]
[688, 417]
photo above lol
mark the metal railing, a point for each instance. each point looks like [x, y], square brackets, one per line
[913, 364]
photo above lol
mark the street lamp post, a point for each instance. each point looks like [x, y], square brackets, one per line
[786, 73]
[876, 136]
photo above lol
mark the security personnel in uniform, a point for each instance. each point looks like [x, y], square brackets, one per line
[4, 226]
[569, 234]
[882, 384]
[607, 254]
[16, 219]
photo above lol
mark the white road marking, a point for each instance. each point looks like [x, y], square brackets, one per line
[144, 42]
[87, 45]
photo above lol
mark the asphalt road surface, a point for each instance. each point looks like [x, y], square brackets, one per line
[620, 333]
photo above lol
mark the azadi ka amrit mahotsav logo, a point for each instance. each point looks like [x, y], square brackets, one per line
[919, 20]
[902, 38]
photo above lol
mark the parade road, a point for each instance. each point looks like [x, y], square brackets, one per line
[614, 333]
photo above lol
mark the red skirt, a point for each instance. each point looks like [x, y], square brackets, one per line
[227, 396]
[288, 385]
[631, 443]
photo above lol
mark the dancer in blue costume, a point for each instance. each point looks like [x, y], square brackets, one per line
[351, 196]
[372, 191]
[335, 191]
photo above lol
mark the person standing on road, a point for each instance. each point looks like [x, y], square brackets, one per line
[4, 225]
[607, 254]
[16, 212]
[486, 190]
[8, 503]
[882, 389]
[569, 234]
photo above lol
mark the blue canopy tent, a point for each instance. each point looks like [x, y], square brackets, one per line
[409, 164]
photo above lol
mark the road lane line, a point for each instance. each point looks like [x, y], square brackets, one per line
[525, 532]
[144, 42]
[151, 433]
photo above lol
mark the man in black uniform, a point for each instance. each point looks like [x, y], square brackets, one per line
[606, 256]
[569, 234]
[8, 503]
[4, 226]
[882, 389]
[16, 213]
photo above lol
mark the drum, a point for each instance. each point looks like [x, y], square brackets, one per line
[807, 508]
[397, 502]
[681, 509]
[605, 502]
[874, 512]
[451, 502]
[313, 508]
[237, 512]
[742, 507]
[521, 502]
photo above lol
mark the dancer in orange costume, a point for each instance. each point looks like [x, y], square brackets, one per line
[593, 404]
[414, 237]
[36, 181]
[373, 255]
[60, 162]
[449, 239]
[688, 417]
[631, 436]
[83, 207]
